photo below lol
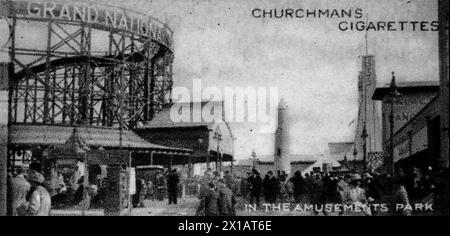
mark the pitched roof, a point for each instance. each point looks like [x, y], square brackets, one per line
[164, 118]
[76, 144]
[98, 137]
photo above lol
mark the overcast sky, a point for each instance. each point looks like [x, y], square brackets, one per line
[314, 65]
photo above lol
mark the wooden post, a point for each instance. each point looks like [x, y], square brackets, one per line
[85, 193]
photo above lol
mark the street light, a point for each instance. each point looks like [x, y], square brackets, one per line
[355, 153]
[364, 136]
[393, 93]
[218, 137]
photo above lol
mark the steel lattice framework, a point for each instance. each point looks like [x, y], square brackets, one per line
[69, 82]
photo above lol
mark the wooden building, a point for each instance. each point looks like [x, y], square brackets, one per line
[210, 140]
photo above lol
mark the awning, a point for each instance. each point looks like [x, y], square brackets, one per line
[28, 135]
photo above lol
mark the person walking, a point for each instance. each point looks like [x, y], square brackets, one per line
[150, 191]
[227, 200]
[357, 195]
[298, 184]
[209, 202]
[330, 189]
[19, 189]
[255, 187]
[245, 186]
[160, 184]
[228, 179]
[373, 193]
[400, 197]
[172, 186]
[141, 192]
[270, 186]
[39, 201]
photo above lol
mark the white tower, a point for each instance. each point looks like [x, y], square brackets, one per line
[282, 162]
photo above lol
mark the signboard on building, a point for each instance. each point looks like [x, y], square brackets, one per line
[405, 108]
[97, 15]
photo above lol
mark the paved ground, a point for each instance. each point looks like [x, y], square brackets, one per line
[185, 207]
[188, 207]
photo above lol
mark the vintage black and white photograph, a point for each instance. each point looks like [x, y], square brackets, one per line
[224, 108]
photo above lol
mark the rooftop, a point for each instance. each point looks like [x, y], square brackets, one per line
[164, 118]
[407, 87]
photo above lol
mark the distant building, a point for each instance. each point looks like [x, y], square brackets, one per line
[342, 151]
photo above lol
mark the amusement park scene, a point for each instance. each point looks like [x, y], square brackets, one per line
[224, 108]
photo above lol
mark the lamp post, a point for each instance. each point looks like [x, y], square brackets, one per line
[364, 136]
[393, 93]
[218, 137]
[355, 153]
[200, 145]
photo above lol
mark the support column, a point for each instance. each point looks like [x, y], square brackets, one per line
[3, 170]
[4, 164]
[152, 89]
[47, 88]
[444, 81]
[5, 203]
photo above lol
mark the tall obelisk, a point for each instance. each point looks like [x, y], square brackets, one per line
[282, 162]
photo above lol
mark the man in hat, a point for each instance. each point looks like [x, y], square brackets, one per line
[39, 202]
[358, 195]
[227, 200]
[173, 181]
[209, 202]
[160, 186]
[255, 187]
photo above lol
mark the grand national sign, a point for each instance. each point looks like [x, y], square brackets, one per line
[98, 16]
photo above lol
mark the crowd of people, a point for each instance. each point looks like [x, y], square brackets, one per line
[312, 188]
[218, 192]
[216, 195]
[163, 184]
[319, 188]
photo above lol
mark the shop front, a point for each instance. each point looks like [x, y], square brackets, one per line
[416, 150]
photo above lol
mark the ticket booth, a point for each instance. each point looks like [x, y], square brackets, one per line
[119, 184]
[68, 174]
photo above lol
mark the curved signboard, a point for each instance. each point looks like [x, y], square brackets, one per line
[98, 16]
